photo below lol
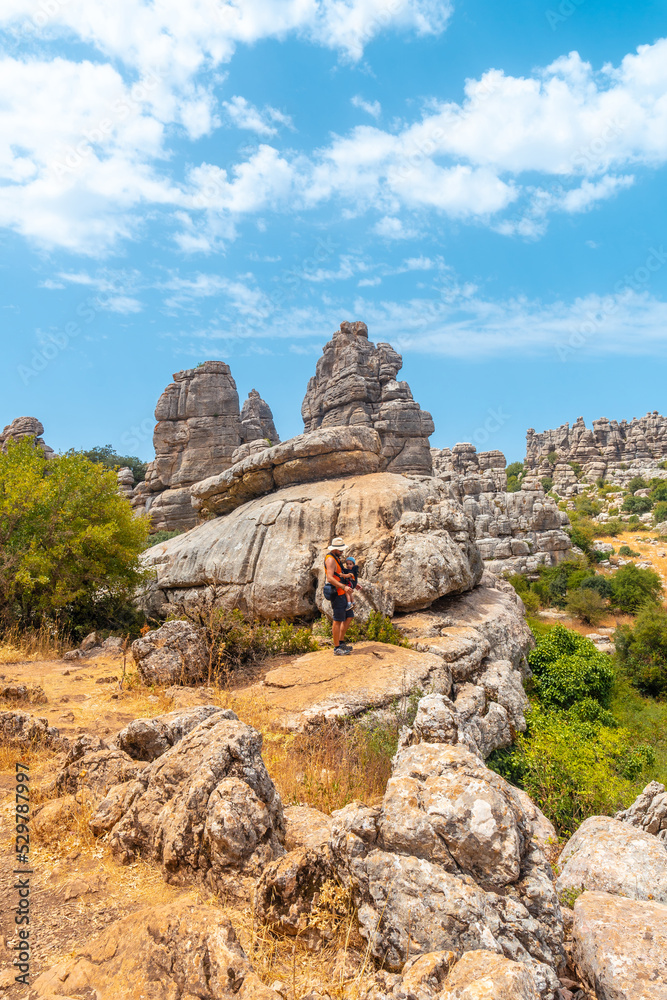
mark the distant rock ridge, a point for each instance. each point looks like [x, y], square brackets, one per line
[355, 384]
[515, 532]
[23, 427]
[640, 444]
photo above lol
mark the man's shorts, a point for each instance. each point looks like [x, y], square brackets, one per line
[340, 609]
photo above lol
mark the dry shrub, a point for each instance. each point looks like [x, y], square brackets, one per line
[44, 643]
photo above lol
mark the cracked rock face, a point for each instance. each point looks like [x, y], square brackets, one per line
[148, 739]
[649, 811]
[355, 384]
[411, 541]
[204, 806]
[175, 653]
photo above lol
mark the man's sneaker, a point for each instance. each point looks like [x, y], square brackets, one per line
[342, 650]
[347, 645]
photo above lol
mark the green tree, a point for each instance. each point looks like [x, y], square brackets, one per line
[514, 475]
[632, 587]
[106, 456]
[643, 651]
[68, 540]
[637, 505]
[660, 512]
[636, 483]
[586, 605]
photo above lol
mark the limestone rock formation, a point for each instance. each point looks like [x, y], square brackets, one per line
[148, 739]
[172, 654]
[639, 444]
[95, 772]
[176, 950]
[516, 532]
[25, 427]
[22, 730]
[355, 384]
[125, 478]
[199, 427]
[610, 856]
[649, 811]
[485, 973]
[203, 807]
[619, 946]
[306, 827]
[314, 457]
[411, 540]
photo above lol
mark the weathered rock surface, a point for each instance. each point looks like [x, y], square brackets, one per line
[22, 730]
[306, 827]
[203, 807]
[411, 541]
[485, 974]
[175, 653]
[288, 892]
[516, 532]
[610, 856]
[355, 383]
[95, 772]
[649, 811]
[319, 686]
[448, 863]
[619, 946]
[323, 454]
[257, 420]
[162, 952]
[148, 739]
[25, 427]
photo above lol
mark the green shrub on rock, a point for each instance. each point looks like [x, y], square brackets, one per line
[568, 668]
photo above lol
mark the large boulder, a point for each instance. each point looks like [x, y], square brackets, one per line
[177, 950]
[204, 807]
[619, 946]
[175, 653]
[611, 856]
[649, 811]
[355, 384]
[148, 739]
[410, 540]
[492, 976]
[323, 454]
[94, 772]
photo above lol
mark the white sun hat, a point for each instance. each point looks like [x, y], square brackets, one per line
[337, 545]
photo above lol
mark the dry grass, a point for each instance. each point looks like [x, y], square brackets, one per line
[326, 768]
[37, 644]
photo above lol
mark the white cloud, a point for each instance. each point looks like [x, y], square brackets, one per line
[245, 115]
[392, 228]
[373, 108]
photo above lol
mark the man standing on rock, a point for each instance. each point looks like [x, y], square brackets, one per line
[342, 613]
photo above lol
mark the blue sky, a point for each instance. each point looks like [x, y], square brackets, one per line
[483, 184]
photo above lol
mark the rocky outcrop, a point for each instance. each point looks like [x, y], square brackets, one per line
[94, 772]
[411, 539]
[25, 427]
[125, 478]
[649, 811]
[639, 444]
[199, 428]
[205, 806]
[307, 458]
[148, 739]
[516, 532]
[486, 974]
[610, 856]
[619, 946]
[175, 653]
[447, 863]
[23, 731]
[355, 384]
[177, 950]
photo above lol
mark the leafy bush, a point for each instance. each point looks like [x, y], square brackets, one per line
[586, 605]
[531, 602]
[660, 512]
[625, 550]
[636, 483]
[637, 505]
[69, 543]
[586, 506]
[600, 584]
[574, 768]
[582, 532]
[161, 536]
[378, 628]
[643, 651]
[553, 458]
[632, 587]
[553, 581]
[514, 476]
[658, 490]
[614, 526]
[106, 456]
[568, 668]
[576, 468]
[547, 484]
